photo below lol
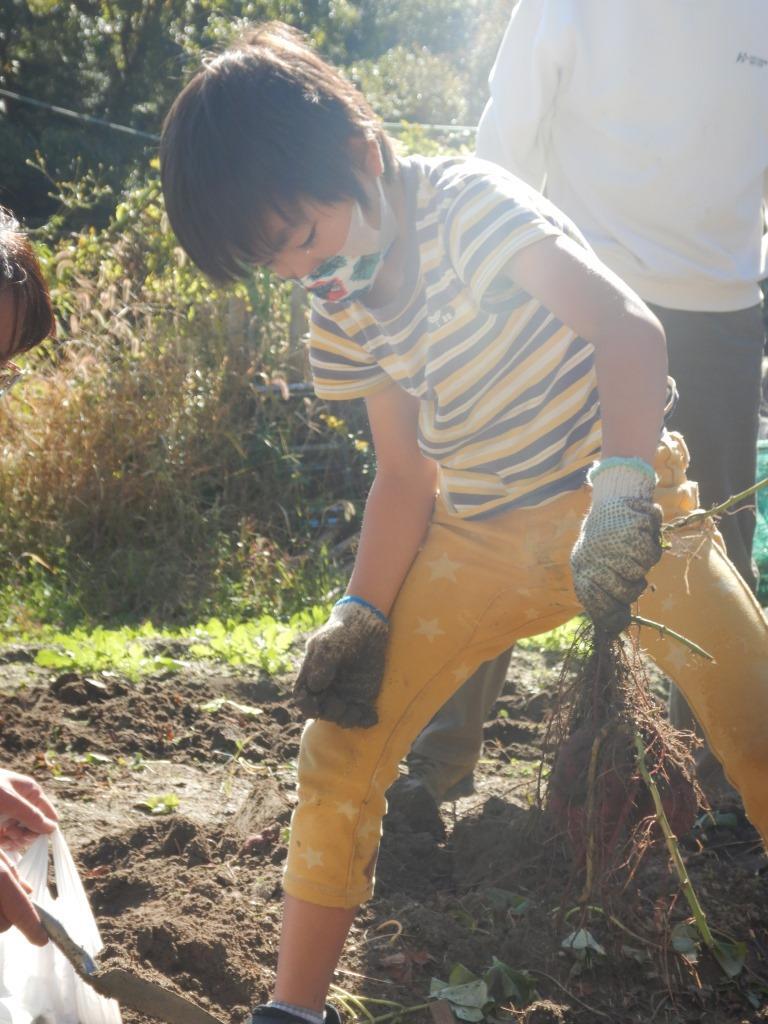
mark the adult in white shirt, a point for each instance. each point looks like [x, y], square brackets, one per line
[646, 121]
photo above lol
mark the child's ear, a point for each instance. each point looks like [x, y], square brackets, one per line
[366, 155]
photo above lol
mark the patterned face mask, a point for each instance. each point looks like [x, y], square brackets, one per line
[352, 271]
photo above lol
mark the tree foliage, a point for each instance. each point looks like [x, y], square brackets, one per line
[125, 60]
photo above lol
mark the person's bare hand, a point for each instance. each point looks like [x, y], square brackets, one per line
[16, 909]
[25, 811]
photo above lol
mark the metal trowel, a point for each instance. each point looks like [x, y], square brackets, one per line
[127, 988]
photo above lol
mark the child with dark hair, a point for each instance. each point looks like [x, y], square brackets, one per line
[26, 316]
[502, 366]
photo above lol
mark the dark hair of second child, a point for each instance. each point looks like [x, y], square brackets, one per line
[23, 291]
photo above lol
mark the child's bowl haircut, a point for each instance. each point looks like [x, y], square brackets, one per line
[259, 128]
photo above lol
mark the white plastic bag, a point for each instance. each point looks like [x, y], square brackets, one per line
[39, 984]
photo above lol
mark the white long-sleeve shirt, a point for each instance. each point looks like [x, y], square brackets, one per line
[646, 121]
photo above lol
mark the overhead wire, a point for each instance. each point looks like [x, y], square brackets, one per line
[77, 116]
[150, 137]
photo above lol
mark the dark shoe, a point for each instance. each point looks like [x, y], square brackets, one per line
[412, 808]
[274, 1015]
[432, 774]
[464, 787]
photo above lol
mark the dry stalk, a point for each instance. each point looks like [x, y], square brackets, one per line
[359, 1004]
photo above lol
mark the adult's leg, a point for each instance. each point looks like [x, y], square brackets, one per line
[445, 753]
[716, 361]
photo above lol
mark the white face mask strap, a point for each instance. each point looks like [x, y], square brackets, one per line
[379, 196]
[387, 216]
[357, 223]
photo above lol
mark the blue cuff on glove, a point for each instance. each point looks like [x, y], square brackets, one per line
[614, 461]
[354, 599]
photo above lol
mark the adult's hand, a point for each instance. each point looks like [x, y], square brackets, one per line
[15, 906]
[25, 811]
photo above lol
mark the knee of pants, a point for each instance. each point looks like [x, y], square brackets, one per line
[675, 493]
[336, 825]
[347, 765]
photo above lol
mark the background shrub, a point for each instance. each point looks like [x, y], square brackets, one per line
[156, 463]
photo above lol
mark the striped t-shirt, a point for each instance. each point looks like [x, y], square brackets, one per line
[509, 406]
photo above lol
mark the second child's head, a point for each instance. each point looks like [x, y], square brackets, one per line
[26, 316]
[264, 155]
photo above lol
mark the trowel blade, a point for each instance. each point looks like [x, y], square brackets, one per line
[149, 998]
[128, 989]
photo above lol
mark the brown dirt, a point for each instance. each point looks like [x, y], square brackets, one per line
[192, 899]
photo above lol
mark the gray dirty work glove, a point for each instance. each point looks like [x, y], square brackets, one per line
[620, 541]
[343, 666]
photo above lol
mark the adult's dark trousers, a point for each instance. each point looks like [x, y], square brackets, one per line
[716, 359]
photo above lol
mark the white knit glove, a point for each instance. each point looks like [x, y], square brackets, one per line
[343, 666]
[620, 541]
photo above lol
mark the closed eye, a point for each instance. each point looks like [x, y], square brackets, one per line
[307, 243]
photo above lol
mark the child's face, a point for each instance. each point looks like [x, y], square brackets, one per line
[319, 233]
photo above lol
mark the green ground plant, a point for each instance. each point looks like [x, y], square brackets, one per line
[138, 651]
[102, 650]
[560, 638]
[263, 643]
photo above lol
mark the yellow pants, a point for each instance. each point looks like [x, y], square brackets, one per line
[474, 588]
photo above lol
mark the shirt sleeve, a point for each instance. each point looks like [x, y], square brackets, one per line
[341, 368]
[493, 216]
[530, 63]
